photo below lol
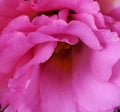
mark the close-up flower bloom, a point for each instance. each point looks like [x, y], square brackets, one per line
[59, 55]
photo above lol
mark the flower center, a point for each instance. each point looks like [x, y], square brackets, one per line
[62, 49]
[62, 58]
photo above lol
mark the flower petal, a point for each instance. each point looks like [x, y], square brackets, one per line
[55, 89]
[12, 47]
[75, 28]
[24, 86]
[92, 93]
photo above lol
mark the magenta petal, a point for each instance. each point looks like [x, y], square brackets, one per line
[115, 78]
[59, 55]
[73, 28]
[4, 89]
[7, 11]
[92, 93]
[63, 14]
[55, 90]
[43, 52]
[27, 91]
[43, 20]
[78, 6]
[18, 44]
[24, 80]
[86, 18]
[10, 109]
[21, 23]
[111, 42]
[36, 38]
[78, 29]
[9, 53]
[116, 27]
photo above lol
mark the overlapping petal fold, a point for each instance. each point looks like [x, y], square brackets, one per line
[59, 55]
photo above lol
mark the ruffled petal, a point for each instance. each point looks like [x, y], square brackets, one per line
[55, 86]
[92, 93]
[21, 24]
[7, 11]
[75, 28]
[78, 6]
[103, 61]
[12, 47]
[24, 86]
[23, 97]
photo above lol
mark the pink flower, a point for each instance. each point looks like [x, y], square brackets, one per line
[59, 56]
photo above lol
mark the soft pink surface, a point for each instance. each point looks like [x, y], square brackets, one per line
[59, 55]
